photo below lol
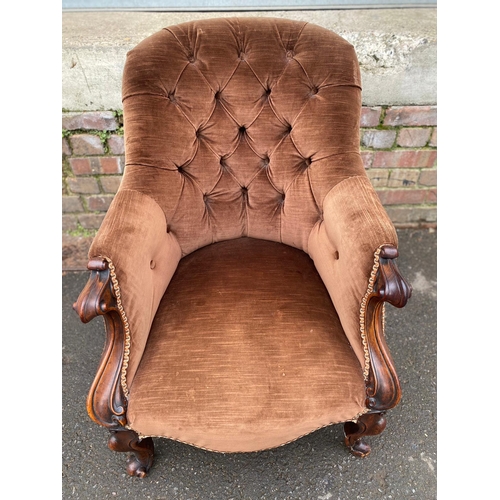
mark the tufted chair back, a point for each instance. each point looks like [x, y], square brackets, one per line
[240, 127]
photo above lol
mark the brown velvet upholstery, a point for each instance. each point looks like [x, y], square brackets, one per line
[239, 131]
[246, 352]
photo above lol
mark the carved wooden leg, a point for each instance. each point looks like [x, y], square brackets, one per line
[141, 459]
[369, 424]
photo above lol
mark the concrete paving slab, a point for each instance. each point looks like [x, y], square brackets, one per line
[402, 465]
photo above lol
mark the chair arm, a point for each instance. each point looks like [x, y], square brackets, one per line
[385, 285]
[348, 247]
[132, 259]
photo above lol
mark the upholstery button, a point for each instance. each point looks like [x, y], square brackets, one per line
[265, 162]
[242, 129]
[152, 264]
[289, 54]
[314, 90]
[307, 162]
[243, 56]
[336, 255]
[191, 58]
[281, 201]
[217, 95]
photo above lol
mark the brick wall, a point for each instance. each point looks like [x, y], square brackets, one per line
[398, 145]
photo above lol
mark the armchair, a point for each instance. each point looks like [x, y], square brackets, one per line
[243, 266]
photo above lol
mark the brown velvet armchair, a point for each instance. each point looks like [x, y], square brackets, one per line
[244, 264]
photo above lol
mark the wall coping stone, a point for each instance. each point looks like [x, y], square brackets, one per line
[396, 48]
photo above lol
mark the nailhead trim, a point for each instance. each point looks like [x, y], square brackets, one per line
[126, 349]
[354, 419]
[364, 302]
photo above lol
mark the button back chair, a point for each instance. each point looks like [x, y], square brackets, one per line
[244, 263]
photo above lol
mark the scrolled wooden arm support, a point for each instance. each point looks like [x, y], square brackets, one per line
[106, 402]
[383, 388]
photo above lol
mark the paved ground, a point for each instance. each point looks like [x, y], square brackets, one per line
[402, 465]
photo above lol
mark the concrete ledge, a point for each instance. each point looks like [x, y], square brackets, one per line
[397, 51]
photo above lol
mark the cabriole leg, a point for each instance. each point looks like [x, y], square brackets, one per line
[369, 424]
[142, 451]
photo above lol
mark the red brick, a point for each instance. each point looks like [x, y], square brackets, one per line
[431, 196]
[69, 222]
[404, 158]
[386, 159]
[95, 164]
[111, 165]
[411, 116]
[80, 166]
[71, 204]
[428, 178]
[378, 139]
[91, 221]
[65, 147]
[434, 138]
[367, 157]
[406, 196]
[83, 185]
[413, 137]
[86, 144]
[91, 120]
[110, 184]
[370, 117]
[99, 203]
[378, 176]
[403, 178]
[116, 144]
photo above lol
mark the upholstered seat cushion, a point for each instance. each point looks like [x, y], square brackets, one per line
[246, 352]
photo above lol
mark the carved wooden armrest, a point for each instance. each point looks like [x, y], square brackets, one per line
[382, 385]
[106, 401]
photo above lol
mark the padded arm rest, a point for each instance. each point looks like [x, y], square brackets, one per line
[355, 225]
[134, 237]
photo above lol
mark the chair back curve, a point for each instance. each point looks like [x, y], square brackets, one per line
[241, 126]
